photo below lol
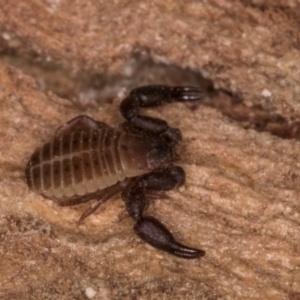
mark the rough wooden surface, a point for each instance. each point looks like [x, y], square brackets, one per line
[240, 202]
[244, 46]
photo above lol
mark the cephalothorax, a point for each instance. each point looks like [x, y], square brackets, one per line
[90, 160]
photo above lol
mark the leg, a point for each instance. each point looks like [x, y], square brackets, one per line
[101, 197]
[81, 199]
[154, 95]
[148, 228]
[78, 123]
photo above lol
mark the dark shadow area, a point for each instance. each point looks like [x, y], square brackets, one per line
[90, 90]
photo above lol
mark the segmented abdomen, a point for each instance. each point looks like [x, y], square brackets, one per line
[85, 161]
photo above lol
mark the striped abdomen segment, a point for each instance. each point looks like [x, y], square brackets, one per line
[85, 161]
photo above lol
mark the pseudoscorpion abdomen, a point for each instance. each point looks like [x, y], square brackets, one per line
[84, 161]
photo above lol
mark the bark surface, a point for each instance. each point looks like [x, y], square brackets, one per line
[240, 202]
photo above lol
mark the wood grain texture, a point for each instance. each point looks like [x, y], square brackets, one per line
[240, 202]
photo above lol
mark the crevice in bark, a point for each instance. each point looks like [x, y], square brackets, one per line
[90, 90]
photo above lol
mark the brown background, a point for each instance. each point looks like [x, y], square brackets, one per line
[240, 152]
